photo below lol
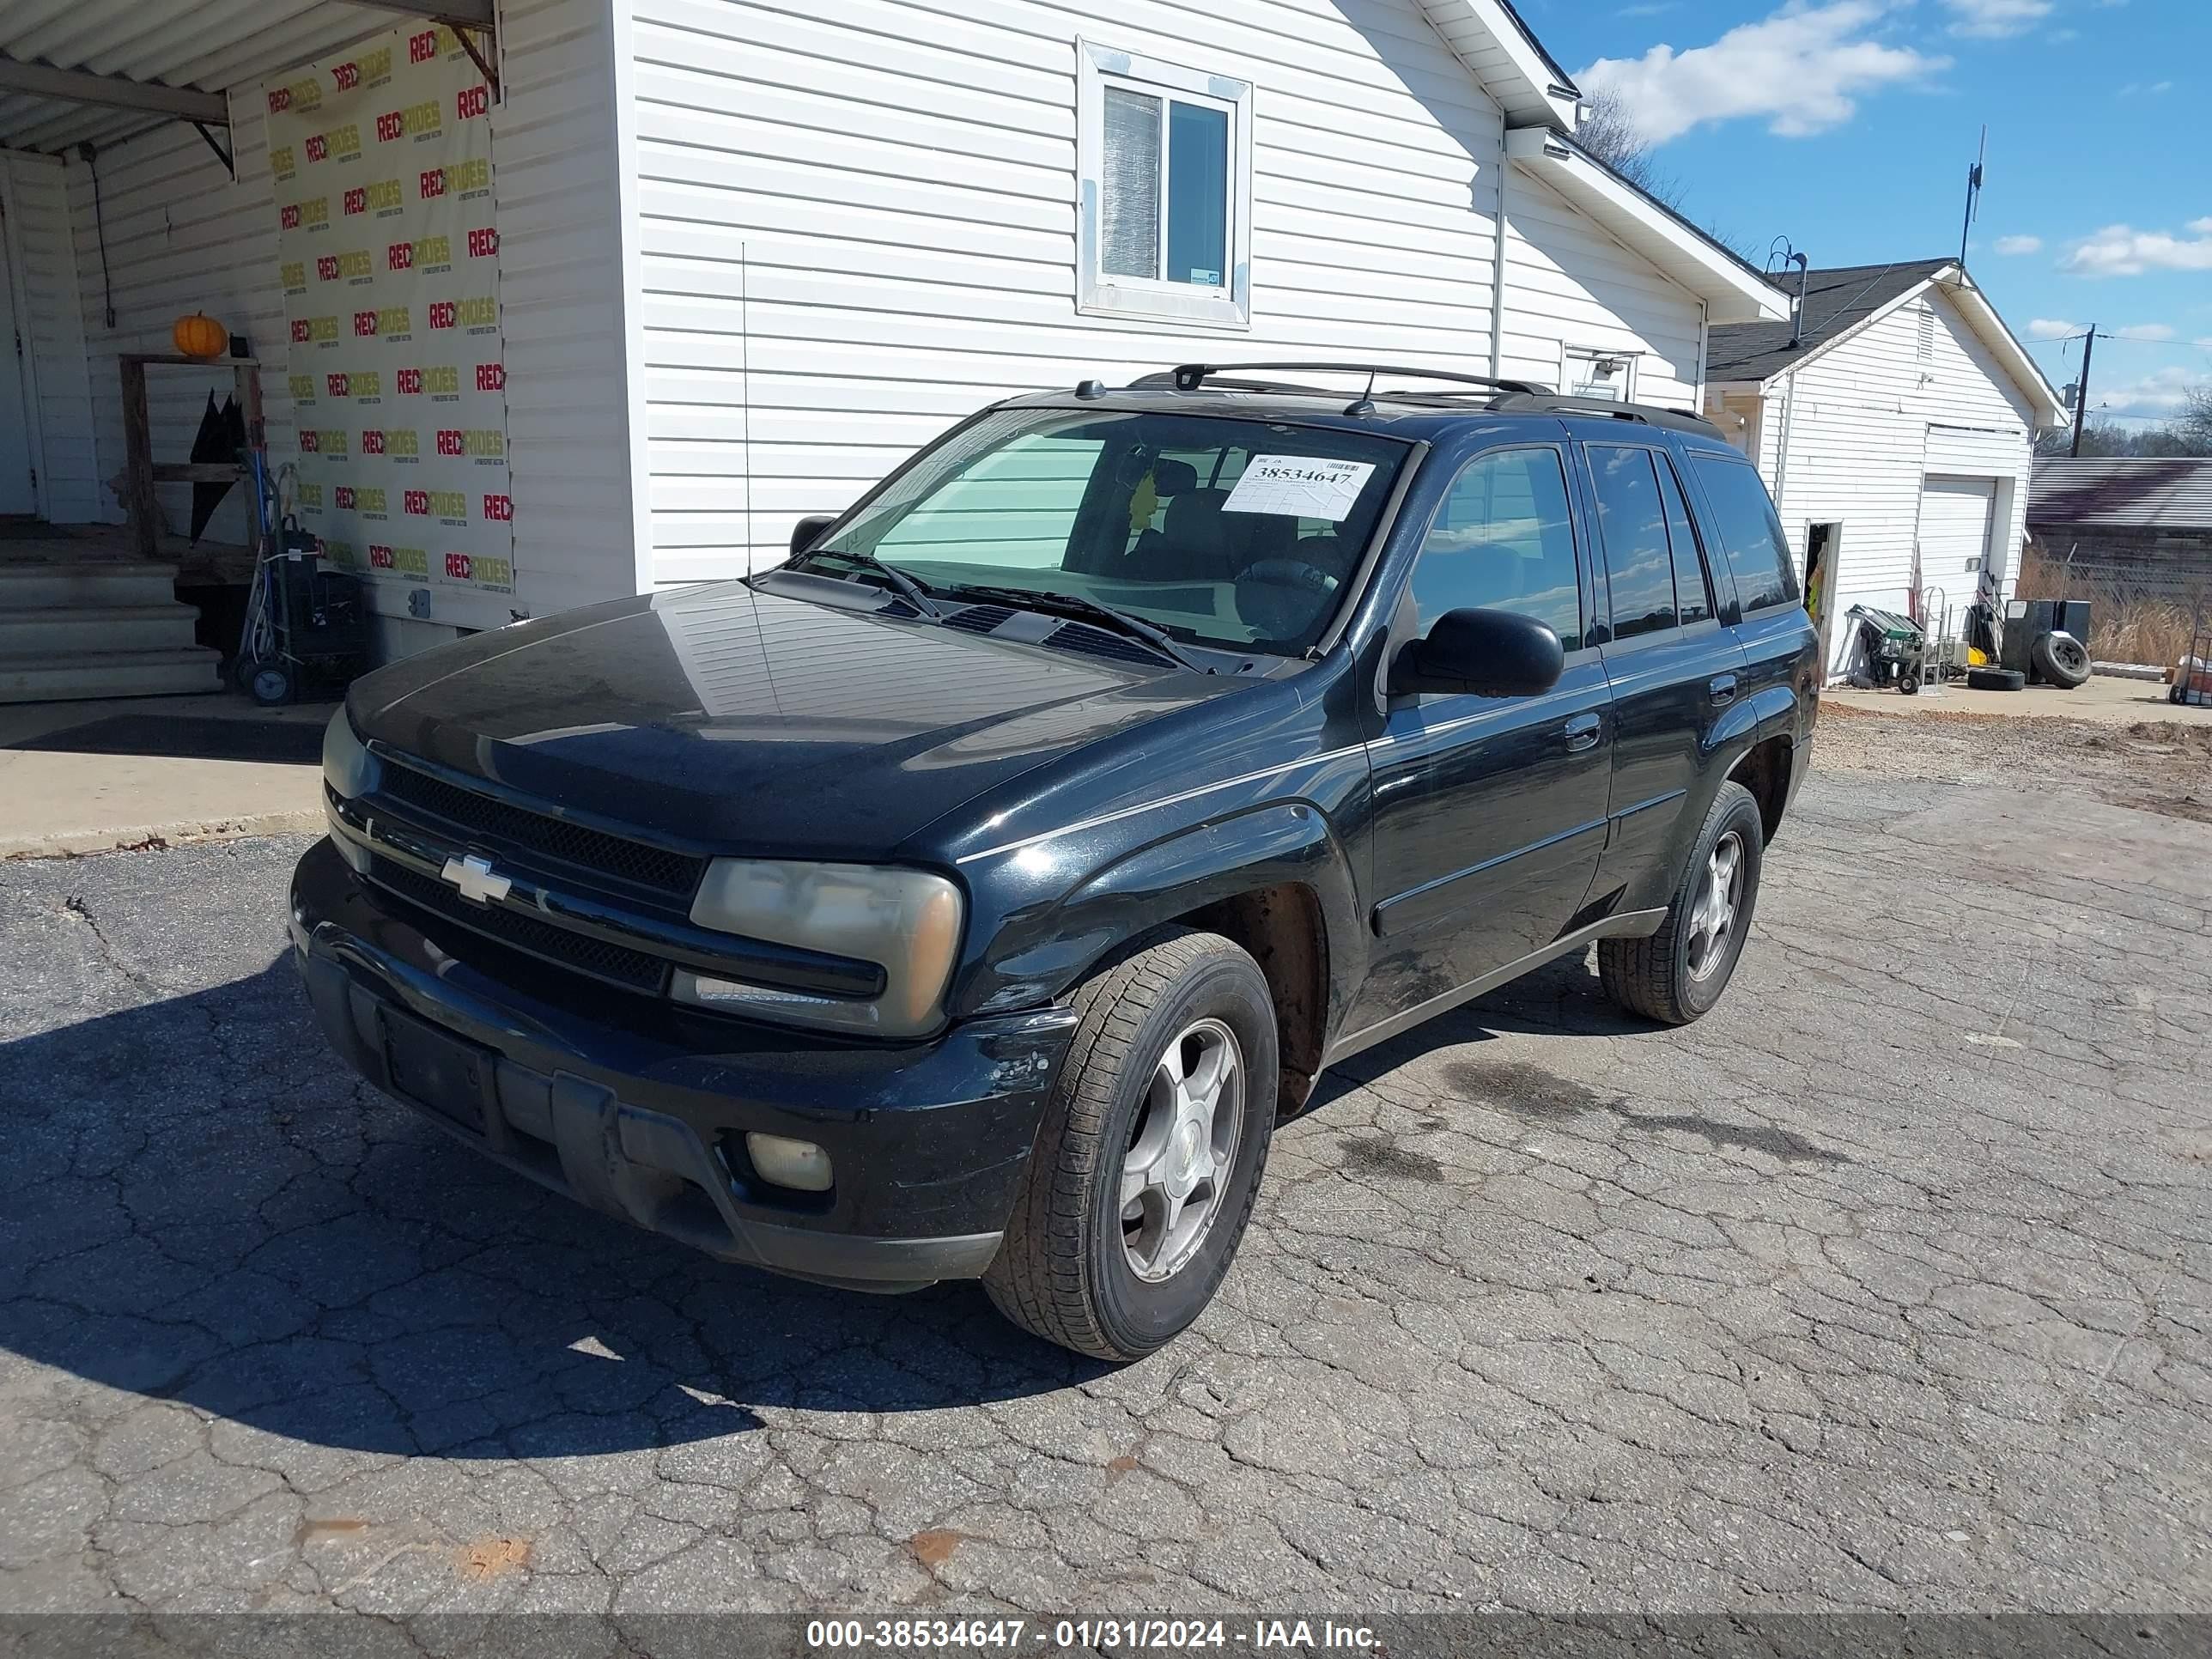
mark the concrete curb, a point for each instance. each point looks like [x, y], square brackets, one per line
[86, 843]
[2129, 670]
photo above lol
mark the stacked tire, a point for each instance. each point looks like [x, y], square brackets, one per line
[2058, 658]
[2061, 659]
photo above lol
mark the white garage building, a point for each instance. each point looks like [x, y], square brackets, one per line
[1894, 421]
[751, 255]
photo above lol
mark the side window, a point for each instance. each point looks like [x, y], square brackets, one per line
[1693, 595]
[1632, 524]
[1751, 532]
[1504, 540]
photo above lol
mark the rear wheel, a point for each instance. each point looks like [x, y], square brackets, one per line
[1679, 972]
[1994, 679]
[1145, 1168]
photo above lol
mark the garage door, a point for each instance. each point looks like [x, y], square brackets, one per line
[1954, 532]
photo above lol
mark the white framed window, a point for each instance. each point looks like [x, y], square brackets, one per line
[1589, 372]
[1163, 206]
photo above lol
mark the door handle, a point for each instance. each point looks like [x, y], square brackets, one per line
[1582, 732]
[1723, 689]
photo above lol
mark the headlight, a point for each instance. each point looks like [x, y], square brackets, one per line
[906, 921]
[348, 767]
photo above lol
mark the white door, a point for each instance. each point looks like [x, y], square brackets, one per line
[16, 494]
[1955, 536]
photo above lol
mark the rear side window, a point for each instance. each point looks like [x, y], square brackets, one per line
[1693, 596]
[1504, 540]
[1750, 531]
[1632, 524]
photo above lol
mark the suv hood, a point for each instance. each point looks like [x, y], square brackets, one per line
[756, 722]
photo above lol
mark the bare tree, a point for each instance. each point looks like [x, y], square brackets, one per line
[2194, 424]
[2189, 432]
[1608, 130]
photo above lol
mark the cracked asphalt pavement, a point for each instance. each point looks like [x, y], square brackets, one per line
[1887, 1286]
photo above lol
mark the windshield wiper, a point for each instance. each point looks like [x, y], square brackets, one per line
[1083, 609]
[908, 589]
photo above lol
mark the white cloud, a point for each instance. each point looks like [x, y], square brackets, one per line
[1993, 19]
[2009, 245]
[2123, 251]
[1802, 68]
[2053, 328]
[2157, 396]
[2143, 332]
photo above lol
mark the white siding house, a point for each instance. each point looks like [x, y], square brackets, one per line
[1905, 418]
[752, 255]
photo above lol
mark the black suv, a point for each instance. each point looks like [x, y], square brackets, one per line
[972, 895]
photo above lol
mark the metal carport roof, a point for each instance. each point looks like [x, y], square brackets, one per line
[147, 48]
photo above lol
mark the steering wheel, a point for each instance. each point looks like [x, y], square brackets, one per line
[1281, 597]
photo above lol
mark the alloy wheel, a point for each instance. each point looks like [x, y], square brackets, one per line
[1713, 918]
[1182, 1148]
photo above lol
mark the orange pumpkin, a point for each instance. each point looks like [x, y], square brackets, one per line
[200, 336]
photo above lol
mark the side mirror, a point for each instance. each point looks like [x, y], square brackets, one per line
[1486, 653]
[808, 531]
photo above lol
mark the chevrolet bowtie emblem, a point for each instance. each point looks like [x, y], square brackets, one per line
[478, 881]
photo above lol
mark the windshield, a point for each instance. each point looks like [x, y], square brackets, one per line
[1240, 534]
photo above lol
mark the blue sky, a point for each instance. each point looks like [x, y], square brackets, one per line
[1847, 126]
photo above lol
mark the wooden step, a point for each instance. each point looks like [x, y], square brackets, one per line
[56, 631]
[40, 586]
[109, 674]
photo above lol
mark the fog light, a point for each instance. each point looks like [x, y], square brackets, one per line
[798, 1165]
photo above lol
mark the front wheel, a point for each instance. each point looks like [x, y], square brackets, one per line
[1146, 1165]
[1680, 972]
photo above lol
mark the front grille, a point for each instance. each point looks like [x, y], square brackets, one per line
[674, 873]
[617, 964]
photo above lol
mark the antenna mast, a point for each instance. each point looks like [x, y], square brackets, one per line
[1973, 194]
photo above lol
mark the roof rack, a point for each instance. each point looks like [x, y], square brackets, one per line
[1190, 377]
[1554, 403]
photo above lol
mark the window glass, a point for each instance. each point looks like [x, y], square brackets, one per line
[1129, 216]
[1505, 541]
[1198, 194]
[1633, 525]
[1149, 512]
[1171, 222]
[1750, 532]
[1013, 505]
[1693, 598]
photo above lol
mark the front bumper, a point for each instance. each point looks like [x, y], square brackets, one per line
[639, 1108]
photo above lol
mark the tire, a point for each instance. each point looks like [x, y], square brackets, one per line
[1994, 679]
[1069, 1269]
[268, 682]
[2061, 659]
[1679, 973]
[1908, 684]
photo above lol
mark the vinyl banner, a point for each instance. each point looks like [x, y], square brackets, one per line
[390, 261]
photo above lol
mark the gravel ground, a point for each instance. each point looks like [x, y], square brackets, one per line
[1887, 1286]
[2157, 765]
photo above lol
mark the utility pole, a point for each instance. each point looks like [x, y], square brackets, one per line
[2082, 389]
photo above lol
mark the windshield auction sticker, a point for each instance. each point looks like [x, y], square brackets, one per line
[1299, 487]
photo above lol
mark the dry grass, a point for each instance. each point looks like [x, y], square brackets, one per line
[2124, 626]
